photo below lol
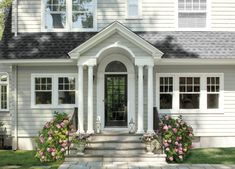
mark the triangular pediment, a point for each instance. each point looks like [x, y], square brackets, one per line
[112, 30]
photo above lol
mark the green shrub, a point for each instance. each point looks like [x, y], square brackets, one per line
[177, 138]
[53, 141]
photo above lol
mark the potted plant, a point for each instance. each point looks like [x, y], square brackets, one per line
[152, 142]
[80, 141]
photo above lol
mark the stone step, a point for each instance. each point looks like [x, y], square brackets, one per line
[114, 151]
[156, 158]
[114, 137]
[114, 145]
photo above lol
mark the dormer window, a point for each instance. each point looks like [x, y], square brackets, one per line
[68, 15]
[192, 13]
[133, 8]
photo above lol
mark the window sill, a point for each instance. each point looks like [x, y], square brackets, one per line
[53, 107]
[5, 111]
[134, 18]
[69, 30]
[191, 111]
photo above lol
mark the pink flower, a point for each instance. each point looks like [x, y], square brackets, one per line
[66, 121]
[180, 152]
[165, 128]
[167, 149]
[166, 145]
[185, 149]
[43, 157]
[41, 139]
[169, 141]
[49, 138]
[53, 153]
[169, 127]
[58, 126]
[171, 158]
[167, 117]
[64, 144]
[62, 124]
[176, 143]
[180, 157]
[49, 150]
[190, 135]
[174, 130]
[62, 149]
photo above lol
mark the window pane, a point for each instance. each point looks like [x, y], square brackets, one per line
[3, 97]
[189, 101]
[165, 101]
[3, 78]
[192, 20]
[55, 15]
[83, 14]
[115, 66]
[213, 101]
[43, 97]
[67, 97]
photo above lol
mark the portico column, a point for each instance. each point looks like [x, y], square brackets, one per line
[140, 100]
[80, 100]
[150, 99]
[90, 100]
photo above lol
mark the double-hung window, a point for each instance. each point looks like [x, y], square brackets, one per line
[53, 91]
[69, 15]
[133, 8]
[4, 82]
[190, 93]
[192, 13]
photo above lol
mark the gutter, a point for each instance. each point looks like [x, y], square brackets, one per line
[16, 18]
[16, 109]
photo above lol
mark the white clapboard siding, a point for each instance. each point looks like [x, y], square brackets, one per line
[157, 15]
[212, 124]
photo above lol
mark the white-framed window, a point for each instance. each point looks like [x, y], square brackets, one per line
[69, 15]
[213, 92]
[192, 92]
[166, 92]
[4, 85]
[192, 13]
[134, 8]
[53, 90]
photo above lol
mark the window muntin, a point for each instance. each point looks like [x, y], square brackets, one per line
[166, 92]
[66, 90]
[133, 8]
[53, 90]
[213, 91]
[83, 14]
[115, 66]
[55, 14]
[192, 13]
[4, 91]
[43, 90]
[60, 15]
[189, 92]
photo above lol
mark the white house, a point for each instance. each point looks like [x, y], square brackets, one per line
[116, 60]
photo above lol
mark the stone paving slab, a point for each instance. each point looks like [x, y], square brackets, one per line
[10, 167]
[140, 165]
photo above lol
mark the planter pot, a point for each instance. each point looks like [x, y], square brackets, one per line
[80, 148]
[149, 148]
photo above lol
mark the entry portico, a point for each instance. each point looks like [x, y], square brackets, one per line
[115, 45]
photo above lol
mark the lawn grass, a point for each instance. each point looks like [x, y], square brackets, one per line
[212, 156]
[25, 159]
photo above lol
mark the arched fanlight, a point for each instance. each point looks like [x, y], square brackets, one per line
[115, 66]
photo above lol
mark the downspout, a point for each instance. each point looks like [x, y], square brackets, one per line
[16, 109]
[16, 18]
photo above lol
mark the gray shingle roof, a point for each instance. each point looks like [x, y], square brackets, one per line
[172, 44]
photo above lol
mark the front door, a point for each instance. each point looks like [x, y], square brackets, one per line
[115, 100]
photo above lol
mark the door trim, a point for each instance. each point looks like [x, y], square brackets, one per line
[130, 88]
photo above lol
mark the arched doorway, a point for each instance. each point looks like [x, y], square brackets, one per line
[116, 91]
[115, 95]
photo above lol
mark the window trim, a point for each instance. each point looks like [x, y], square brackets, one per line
[7, 84]
[69, 25]
[55, 91]
[208, 18]
[203, 93]
[139, 17]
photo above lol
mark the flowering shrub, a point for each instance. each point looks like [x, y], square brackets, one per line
[52, 141]
[177, 138]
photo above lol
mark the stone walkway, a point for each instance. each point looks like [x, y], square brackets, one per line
[140, 165]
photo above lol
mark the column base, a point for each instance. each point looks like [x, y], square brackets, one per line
[90, 131]
[140, 132]
[150, 131]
